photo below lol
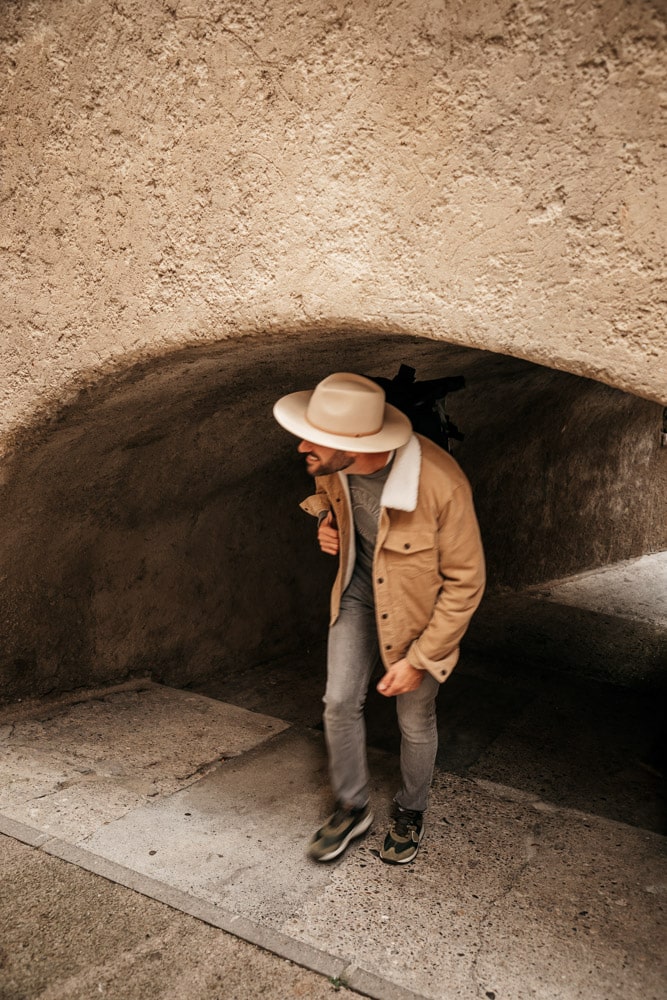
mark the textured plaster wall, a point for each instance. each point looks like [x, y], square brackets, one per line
[487, 172]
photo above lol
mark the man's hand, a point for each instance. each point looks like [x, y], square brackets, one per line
[400, 678]
[327, 535]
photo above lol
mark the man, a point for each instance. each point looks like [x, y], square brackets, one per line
[397, 511]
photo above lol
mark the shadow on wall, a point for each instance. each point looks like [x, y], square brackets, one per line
[152, 525]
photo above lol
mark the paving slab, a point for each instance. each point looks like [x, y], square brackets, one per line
[242, 829]
[635, 589]
[74, 768]
[511, 896]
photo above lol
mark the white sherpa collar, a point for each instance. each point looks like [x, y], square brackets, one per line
[402, 487]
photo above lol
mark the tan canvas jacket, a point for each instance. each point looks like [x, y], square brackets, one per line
[428, 567]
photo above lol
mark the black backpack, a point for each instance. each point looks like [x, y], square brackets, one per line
[424, 403]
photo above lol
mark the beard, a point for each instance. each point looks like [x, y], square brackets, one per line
[336, 463]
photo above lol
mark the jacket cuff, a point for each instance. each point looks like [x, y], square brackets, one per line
[440, 669]
[315, 505]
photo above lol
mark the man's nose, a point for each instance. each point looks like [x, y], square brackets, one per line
[304, 446]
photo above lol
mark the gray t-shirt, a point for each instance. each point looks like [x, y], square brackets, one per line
[365, 495]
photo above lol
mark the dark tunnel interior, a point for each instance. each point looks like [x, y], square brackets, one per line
[155, 522]
[155, 529]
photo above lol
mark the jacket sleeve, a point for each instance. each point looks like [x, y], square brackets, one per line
[462, 570]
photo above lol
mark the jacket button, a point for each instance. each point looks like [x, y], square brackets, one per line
[388, 647]
[407, 545]
[380, 579]
[385, 615]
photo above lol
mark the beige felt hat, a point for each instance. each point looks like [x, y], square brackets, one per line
[344, 411]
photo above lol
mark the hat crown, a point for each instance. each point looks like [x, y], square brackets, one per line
[347, 404]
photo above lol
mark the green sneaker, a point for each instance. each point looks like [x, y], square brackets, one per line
[405, 835]
[332, 838]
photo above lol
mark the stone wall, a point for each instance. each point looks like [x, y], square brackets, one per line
[178, 171]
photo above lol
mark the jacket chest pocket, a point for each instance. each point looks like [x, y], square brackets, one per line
[412, 553]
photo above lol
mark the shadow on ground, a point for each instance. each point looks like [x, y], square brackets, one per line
[577, 742]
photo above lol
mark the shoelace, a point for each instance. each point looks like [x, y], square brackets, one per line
[404, 821]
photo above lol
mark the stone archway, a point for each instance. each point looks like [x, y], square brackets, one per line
[155, 526]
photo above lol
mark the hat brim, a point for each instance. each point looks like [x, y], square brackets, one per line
[290, 412]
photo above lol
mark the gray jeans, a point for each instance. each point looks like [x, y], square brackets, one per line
[353, 655]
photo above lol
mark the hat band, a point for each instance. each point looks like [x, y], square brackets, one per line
[359, 434]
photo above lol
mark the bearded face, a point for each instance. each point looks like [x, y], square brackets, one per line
[322, 461]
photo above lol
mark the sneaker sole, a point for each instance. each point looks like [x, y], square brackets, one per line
[355, 832]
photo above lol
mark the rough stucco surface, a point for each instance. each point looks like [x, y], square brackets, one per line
[489, 174]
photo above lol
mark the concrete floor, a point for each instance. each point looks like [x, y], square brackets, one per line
[543, 873]
[512, 894]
